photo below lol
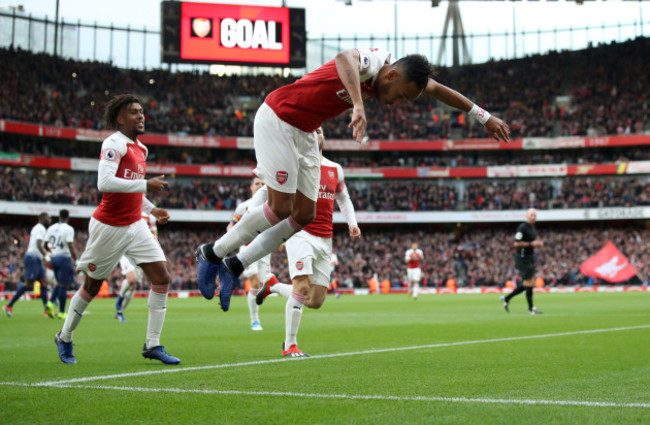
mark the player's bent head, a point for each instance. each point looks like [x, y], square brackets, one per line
[64, 214]
[114, 107]
[416, 68]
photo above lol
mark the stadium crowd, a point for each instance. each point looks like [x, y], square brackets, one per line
[61, 148]
[34, 185]
[473, 256]
[559, 94]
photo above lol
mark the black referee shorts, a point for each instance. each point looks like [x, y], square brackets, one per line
[526, 268]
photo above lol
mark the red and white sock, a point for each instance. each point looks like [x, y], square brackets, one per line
[293, 314]
[283, 289]
[267, 241]
[78, 305]
[254, 222]
[253, 308]
[157, 309]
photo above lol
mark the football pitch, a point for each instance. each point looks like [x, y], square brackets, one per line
[443, 359]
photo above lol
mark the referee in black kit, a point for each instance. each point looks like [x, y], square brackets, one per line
[525, 243]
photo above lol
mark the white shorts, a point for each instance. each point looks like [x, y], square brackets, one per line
[288, 159]
[107, 244]
[310, 255]
[261, 268]
[414, 275]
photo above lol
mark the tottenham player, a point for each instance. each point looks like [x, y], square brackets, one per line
[413, 257]
[60, 237]
[525, 243]
[309, 253]
[286, 148]
[34, 269]
[131, 274]
[116, 227]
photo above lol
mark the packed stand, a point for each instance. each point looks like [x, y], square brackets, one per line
[57, 187]
[476, 256]
[600, 96]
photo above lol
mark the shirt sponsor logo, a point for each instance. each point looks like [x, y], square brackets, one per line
[281, 177]
[132, 175]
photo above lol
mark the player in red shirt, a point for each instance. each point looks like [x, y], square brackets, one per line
[413, 257]
[309, 252]
[286, 148]
[116, 227]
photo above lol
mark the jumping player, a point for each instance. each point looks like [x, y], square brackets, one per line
[309, 253]
[286, 147]
[116, 227]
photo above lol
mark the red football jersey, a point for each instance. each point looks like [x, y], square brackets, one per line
[331, 183]
[320, 95]
[116, 208]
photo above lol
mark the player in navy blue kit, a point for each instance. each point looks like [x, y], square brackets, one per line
[34, 270]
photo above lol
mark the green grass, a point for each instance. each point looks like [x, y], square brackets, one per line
[438, 383]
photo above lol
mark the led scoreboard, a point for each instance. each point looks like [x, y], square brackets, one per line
[232, 34]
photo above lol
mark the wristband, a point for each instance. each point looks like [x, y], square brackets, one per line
[480, 114]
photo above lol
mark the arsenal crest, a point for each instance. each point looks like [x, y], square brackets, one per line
[281, 176]
[299, 265]
[92, 267]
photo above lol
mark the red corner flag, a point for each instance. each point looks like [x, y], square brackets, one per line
[608, 264]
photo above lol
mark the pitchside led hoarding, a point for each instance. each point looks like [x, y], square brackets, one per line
[233, 34]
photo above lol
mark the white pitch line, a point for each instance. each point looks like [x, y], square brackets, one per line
[326, 356]
[351, 396]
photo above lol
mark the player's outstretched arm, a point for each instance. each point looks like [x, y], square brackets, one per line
[496, 127]
[347, 66]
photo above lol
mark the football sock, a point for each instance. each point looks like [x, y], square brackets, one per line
[268, 241]
[283, 289]
[253, 308]
[157, 308]
[118, 303]
[518, 290]
[63, 297]
[19, 293]
[254, 222]
[54, 295]
[78, 305]
[416, 288]
[126, 286]
[529, 297]
[293, 314]
[44, 297]
[126, 299]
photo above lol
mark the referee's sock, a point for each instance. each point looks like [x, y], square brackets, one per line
[529, 297]
[518, 290]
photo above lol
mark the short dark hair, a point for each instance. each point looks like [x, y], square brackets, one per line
[43, 216]
[64, 214]
[113, 108]
[416, 68]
